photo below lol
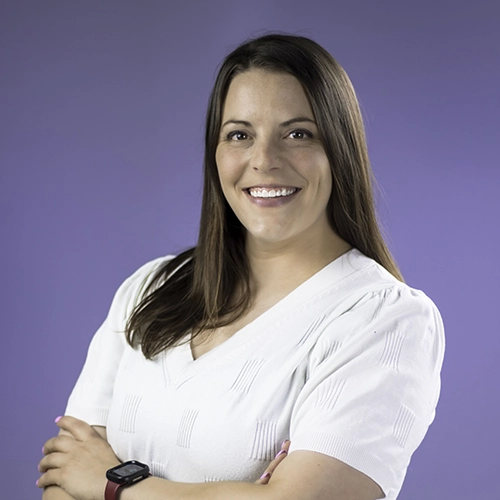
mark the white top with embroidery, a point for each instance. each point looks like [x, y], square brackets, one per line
[348, 365]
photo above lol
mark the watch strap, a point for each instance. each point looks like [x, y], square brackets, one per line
[111, 491]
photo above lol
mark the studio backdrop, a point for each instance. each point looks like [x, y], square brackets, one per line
[102, 106]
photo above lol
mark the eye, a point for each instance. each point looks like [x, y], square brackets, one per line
[300, 134]
[237, 135]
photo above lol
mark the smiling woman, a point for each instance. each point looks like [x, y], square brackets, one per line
[283, 356]
[270, 145]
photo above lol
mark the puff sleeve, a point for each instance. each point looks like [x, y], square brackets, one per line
[371, 395]
[92, 395]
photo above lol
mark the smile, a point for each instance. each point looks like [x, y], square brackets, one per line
[271, 192]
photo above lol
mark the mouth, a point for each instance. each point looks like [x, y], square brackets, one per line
[271, 192]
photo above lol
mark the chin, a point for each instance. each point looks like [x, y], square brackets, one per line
[268, 237]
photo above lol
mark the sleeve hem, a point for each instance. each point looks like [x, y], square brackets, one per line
[92, 416]
[350, 454]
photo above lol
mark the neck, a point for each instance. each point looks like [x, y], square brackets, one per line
[278, 268]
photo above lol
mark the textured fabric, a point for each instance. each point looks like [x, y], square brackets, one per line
[347, 365]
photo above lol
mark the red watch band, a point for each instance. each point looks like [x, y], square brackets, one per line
[111, 491]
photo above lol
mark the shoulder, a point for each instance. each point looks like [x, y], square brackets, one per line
[133, 288]
[370, 282]
[147, 271]
[400, 323]
[370, 306]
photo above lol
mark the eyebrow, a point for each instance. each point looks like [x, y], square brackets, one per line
[299, 119]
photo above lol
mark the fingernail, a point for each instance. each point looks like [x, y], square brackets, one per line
[36, 482]
[266, 475]
[284, 442]
[57, 419]
[43, 450]
[280, 453]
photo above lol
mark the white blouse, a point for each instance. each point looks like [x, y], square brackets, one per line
[348, 365]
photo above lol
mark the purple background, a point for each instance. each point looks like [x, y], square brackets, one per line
[101, 126]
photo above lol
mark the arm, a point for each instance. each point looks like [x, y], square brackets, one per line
[303, 474]
[55, 493]
[78, 463]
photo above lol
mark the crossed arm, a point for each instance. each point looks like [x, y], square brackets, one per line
[75, 464]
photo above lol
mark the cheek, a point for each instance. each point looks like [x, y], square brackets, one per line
[327, 180]
[225, 177]
[227, 167]
[221, 168]
[316, 168]
[324, 174]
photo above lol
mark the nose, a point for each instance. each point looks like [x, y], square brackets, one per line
[265, 155]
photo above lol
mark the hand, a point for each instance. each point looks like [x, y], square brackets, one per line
[264, 479]
[77, 463]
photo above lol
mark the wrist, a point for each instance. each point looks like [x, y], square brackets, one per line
[123, 476]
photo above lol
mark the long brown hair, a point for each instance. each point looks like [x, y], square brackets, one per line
[199, 293]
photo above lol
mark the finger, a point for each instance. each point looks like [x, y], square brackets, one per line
[282, 454]
[264, 479]
[52, 461]
[58, 443]
[79, 429]
[51, 477]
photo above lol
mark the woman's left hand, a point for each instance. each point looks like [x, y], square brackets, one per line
[282, 454]
[77, 463]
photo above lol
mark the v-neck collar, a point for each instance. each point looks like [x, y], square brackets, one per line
[327, 277]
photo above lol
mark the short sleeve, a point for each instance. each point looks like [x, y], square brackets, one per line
[371, 396]
[91, 397]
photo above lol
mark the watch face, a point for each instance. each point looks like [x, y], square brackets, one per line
[128, 472]
[128, 469]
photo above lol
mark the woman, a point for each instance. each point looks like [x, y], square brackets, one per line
[289, 320]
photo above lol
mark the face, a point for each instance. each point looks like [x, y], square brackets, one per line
[272, 166]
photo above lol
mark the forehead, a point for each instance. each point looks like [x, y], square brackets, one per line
[262, 92]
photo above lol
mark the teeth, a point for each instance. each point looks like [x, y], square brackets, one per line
[271, 193]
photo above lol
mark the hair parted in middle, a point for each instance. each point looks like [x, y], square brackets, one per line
[209, 286]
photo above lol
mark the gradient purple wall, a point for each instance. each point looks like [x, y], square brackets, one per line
[101, 125]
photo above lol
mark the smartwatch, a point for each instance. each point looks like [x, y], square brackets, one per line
[123, 475]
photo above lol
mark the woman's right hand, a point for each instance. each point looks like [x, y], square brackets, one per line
[264, 479]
